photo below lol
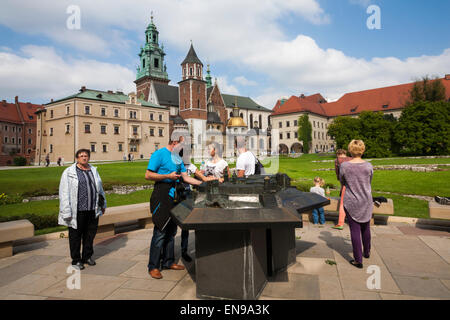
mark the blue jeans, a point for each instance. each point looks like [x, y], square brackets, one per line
[316, 213]
[162, 247]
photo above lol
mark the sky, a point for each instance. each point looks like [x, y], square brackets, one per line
[264, 49]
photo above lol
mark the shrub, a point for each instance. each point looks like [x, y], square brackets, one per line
[39, 221]
[10, 199]
[20, 161]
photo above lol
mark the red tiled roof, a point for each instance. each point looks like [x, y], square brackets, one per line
[10, 113]
[380, 99]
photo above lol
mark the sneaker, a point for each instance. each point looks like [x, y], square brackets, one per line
[338, 227]
[442, 200]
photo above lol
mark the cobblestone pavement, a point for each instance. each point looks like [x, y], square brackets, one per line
[413, 263]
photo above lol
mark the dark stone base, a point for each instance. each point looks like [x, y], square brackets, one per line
[230, 264]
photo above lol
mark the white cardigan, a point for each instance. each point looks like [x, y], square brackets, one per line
[68, 196]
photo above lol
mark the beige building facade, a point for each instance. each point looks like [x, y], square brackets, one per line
[111, 125]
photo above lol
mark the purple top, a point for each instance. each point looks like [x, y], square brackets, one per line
[357, 177]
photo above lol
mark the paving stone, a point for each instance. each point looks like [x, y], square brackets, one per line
[93, 287]
[380, 230]
[422, 287]
[330, 287]
[353, 278]
[24, 297]
[140, 257]
[109, 267]
[361, 295]
[312, 250]
[21, 268]
[159, 285]
[57, 268]
[141, 234]
[130, 294]
[306, 265]
[410, 256]
[446, 283]
[441, 245]
[293, 286]
[391, 296]
[32, 284]
[122, 253]
[4, 262]
[139, 270]
[184, 290]
[423, 231]
[129, 244]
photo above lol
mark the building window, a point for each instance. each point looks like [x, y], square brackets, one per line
[281, 136]
[104, 148]
[322, 125]
[116, 113]
[92, 147]
[135, 131]
[30, 131]
[288, 135]
[160, 117]
[314, 124]
[151, 116]
[87, 110]
[314, 134]
[133, 148]
[190, 72]
[20, 140]
[296, 135]
[6, 139]
[6, 128]
[156, 64]
[120, 147]
[152, 132]
[29, 141]
[29, 151]
[160, 132]
[87, 128]
[20, 129]
[295, 123]
[51, 113]
[13, 140]
[67, 128]
[103, 129]
[288, 124]
[133, 114]
[116, 130]
[67, 110]
[51, 148]
[280, 124]
[51, 131]
[103, 112]
[13, 129]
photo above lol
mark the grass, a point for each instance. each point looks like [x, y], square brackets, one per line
[46, 181]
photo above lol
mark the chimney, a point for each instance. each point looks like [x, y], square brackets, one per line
[17, 99]
[4, 103]
[83, 89]
[447, 77]
[110, 91]
[51, 100]
[302, 96]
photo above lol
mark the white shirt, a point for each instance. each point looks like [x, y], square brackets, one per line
[215, 169]
[246, 161]
[190, 168]
[318, 190]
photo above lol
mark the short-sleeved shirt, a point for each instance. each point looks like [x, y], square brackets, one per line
[318, 190]
[163, 161]
[246, 161]
[215, 169]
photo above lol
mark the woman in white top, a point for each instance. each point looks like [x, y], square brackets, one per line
[216, 165]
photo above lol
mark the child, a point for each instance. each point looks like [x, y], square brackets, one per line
[318, 184]
[341, 156]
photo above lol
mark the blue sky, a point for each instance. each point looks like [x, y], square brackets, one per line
[262, 49]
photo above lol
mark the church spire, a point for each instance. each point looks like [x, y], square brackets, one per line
[208, 78]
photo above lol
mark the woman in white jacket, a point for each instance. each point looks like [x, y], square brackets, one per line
[81, 202]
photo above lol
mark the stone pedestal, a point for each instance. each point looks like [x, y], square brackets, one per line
[6, 249]
[145, 223]
[105, 231]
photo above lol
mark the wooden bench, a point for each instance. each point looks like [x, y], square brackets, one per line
[13, 230]
[438, 211]
[113, 215]
[385, 209]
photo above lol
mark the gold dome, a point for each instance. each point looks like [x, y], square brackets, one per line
[236, 122]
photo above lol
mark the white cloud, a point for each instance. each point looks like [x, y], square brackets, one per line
[39, 74]
[225, 87]
[244, 81]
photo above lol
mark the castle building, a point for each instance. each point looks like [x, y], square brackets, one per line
[197, 105]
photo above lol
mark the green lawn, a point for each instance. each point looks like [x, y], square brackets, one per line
[46, 181]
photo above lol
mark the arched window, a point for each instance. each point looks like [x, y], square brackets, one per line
[251, 121]
[198, 103]
[143, 63]
[190, 71]
[261, 143]
[260, 121]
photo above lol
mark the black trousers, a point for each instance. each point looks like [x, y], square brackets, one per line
[86, 230]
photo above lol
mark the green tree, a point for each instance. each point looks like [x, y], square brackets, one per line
[343, 130]
[305, 132]
[427, 90]
[424, 129]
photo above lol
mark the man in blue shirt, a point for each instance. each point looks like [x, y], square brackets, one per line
[165, 167]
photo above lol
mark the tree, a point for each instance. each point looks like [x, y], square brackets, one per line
[343, 130]
[427, 90]
[424, 129]
[305, 132]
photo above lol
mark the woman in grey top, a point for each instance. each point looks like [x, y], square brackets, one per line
[356, 175]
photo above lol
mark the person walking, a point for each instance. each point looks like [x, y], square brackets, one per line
[341, 156]
[163, 169]
[81, 202]
[356, 175]
[318, 214]
[47, 159]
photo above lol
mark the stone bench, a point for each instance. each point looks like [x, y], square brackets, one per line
[11, 231]
[438, 211]
[385, 208]
[113, 215]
